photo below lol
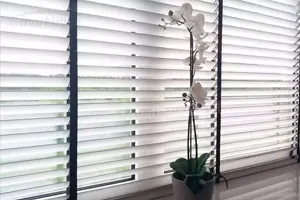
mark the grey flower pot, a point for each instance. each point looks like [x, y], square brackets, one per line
[182, 192]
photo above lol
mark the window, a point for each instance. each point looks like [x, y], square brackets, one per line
[259, 82]
[131, 118]
[131, 76]
[33, 98]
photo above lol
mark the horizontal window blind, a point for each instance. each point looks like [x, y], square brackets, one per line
[33, 98]
[259, 82]
[132, 120]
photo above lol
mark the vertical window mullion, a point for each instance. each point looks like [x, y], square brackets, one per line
[298, 102]
[219, 88]
[73, 126]
[298, 79]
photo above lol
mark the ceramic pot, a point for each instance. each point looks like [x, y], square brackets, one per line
[182, 192]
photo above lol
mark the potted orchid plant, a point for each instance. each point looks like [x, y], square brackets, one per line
[191, 179]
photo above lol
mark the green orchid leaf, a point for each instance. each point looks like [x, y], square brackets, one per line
[180, 166]
[201, 161]
[195, 184]
[193, 164]
[207, 176]
[179, 176]
[201, 173]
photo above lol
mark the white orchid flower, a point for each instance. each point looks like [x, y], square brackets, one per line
[187, 61]
[195, 24]
[184, 15]
[199, 61]
[201, 47]
[197, 64]
[200, 36]
[186, 10]
[198, 20]
[175, 17]
[199, 93]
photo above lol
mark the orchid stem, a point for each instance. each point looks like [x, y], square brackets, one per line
[196, 137]
[188, 146]
[191, 58]
[191, 108]
[177, 21]
[191, 138]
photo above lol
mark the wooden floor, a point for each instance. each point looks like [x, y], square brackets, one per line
[278, 184]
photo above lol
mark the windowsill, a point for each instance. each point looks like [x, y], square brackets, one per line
[261, 182]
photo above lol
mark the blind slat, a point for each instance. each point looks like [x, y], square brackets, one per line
[240, 146]
[253, 135]
[241, 128]
[33, 166]
[34, 13]
[33, 56]
[16, 25]
[32, 178]
[16, 40]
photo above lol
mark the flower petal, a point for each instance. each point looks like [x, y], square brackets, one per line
[199, 93]
[198, 30]
[187, 61]
[199, 42]
[202, 47]
[199, 35]
[199, 19]
[186, 11]
[200, 61]
[177, 15]
[186, 8]
[198, 67]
